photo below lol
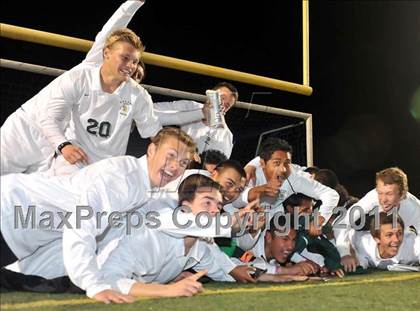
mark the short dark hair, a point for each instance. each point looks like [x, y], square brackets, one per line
[189, 186]
[233, 164]
[384, 219]
[229, 86]
[327, 178]
[212, 156]
[280, 220]
[312, 170]
[271, 145]
[295, 199]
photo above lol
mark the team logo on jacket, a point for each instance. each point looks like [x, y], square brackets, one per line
[125, 107]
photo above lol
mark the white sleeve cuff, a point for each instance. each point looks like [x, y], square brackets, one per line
[131, 7]
[296, 258]
[124, 285]
[227, 265]
[95, 289]
[343, 250]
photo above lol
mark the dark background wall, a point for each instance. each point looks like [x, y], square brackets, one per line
[365, 68]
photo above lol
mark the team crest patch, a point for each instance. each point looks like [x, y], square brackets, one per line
[125, 107]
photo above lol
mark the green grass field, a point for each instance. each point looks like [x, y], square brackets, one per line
[373, 291]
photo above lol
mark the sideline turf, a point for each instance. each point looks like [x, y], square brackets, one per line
[373, 291]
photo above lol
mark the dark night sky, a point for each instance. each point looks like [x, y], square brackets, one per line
[365, 66]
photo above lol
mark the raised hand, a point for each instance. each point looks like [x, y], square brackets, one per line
[350, 263]
[188, 286]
